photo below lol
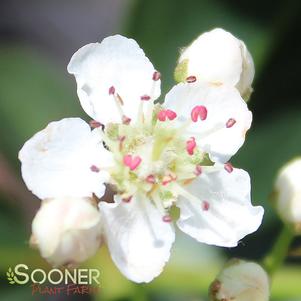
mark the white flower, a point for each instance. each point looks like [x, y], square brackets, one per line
[157, 156]
[67, 230]
[287, 193]
[218, 57]
[241, 281]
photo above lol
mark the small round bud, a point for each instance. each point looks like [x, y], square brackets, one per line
[67, 230]
[217, 57]
[240, 281]
[287, 193]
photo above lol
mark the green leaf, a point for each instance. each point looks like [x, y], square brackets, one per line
[43, 94]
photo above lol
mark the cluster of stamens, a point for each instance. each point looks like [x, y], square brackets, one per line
[151, 156]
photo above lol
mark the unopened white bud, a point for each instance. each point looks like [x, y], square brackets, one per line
[217, 57]
[67, 231]
[287, 193]
[240, 281]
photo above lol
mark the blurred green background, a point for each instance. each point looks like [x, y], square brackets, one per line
[37, 39]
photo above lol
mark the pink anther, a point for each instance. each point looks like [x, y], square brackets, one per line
[230, 123]
[198, 112]
[150, 179]
[94, 168]
[167, 219]
[205, 206]
[131, 162]
[112, 90]
[228, 167]
[191, 79]
[156, 75]
[190, 146]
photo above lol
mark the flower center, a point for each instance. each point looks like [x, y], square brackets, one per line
[152, 158]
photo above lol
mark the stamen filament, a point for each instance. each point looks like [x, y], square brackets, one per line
[158, 203]
[150, 107]
[117, 99]
[183, 192]
[140, 115]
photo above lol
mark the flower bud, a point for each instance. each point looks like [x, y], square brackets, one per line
[217, 57]
[287, 193]
[240, 281]
[67, 230]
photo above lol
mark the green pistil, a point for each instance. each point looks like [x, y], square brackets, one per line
[159, 145]
[167, 149]
[166, 195]
[112, 131]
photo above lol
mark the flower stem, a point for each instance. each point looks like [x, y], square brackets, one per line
[279, 251]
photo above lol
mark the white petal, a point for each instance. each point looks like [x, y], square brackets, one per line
[138, 239]
[215, 56]
[67, 230]
[230, 215]
[116, 62]
[248, 72]
[56, 161]
[222, 103]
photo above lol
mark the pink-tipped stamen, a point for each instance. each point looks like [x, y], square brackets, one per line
[94, 168]
[230, 123]
[145, 97]
[199, 112]
[167, 219]
[112, 90]
[131, 162]
[126, 120]
[191, 79]
[190, 146]
[95, 124]
[156, 76]
[168, 179]
[198, 170]
[205, 205]
[171, 115]
[150, 179]
[118, 101]
[166, 114]
[121, 141]
[228, 167]
[162, 115]
[127, 200]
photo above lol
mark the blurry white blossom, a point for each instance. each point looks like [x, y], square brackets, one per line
[217, 57]
[287, 193]
[241, 281]
[67, 231]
